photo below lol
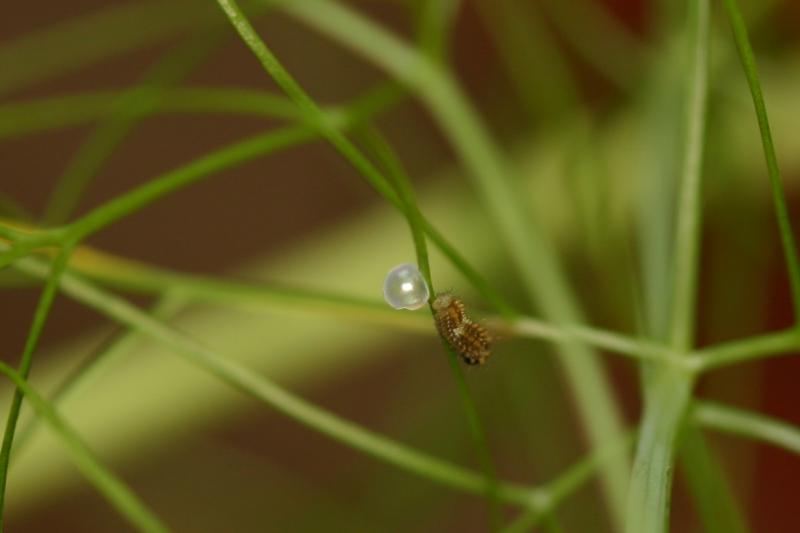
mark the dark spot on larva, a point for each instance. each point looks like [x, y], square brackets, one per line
[470, 340]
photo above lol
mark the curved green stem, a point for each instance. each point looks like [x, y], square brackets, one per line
[491, 176]
[114, 490]
[401, 195]
[779, 198]
[266, 391]
[132, 106]
[752, 425]
[39, 319]
[668, 389]
[747, 350]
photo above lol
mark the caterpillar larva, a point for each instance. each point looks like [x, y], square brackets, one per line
[469, 339]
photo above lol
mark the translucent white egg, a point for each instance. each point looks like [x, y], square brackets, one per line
[405, 288]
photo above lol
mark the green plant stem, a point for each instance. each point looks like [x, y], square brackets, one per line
[404, 195]
[435, 19]
[378, 145]
[114, 490]
[77, 380]
[632, 347]
[256, 146]
[219, 160]
[102, 34]
[39, 319]
[174, 180]
[26, 245]
[478, 433]
[30, 116]
[600, 40]
[135, 276]
[717, 508]
[752, 425]
[271, 394]
[491, 177]
[553, 493]
[13, 254]
[688, 232]
[405, 192]
[138, 277]
[540, 500]
[668, 389]
[522, 39]
[781, 210]
[748, 350]
[132, 106]
[651, 482]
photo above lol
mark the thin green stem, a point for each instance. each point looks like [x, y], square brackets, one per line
[478, 433]
[221, 159]
[442, 472]
[30, 116]
[551, 495]
[404, 195]
[39, 319]
[14, 253]
[435, 19]
[748, 424]
[181, 177]
[264, 390]
[256, 146]
[383, 152]
[522, 39]
[405, 191]
[651, 481]
[606, 340]
[25, 244]
[328, 129]
[708, 484]
[668, 389]
[688, 231]
[75, 43]
[492, 178]
[114, 490]
[781, 210]
[599, 39]
[747, 350]
[139, 277]
[132, 106]
[77, 380]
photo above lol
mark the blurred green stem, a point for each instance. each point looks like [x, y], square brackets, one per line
[133, 105]
[492, 178]
[755, 426]
[268, 392]
[114, 490]
[667, 389]
[39, 319]
[781, 210]
[402, 197]
[76, 381]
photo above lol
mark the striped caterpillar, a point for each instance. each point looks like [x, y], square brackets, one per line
[469, 339]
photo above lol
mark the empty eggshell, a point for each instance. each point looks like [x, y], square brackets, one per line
[405, 288]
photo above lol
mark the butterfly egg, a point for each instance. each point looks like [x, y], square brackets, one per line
[405, 288]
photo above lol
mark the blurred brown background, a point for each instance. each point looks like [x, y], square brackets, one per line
[267, 457]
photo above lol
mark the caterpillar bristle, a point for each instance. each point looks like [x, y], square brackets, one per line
[470, 340]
